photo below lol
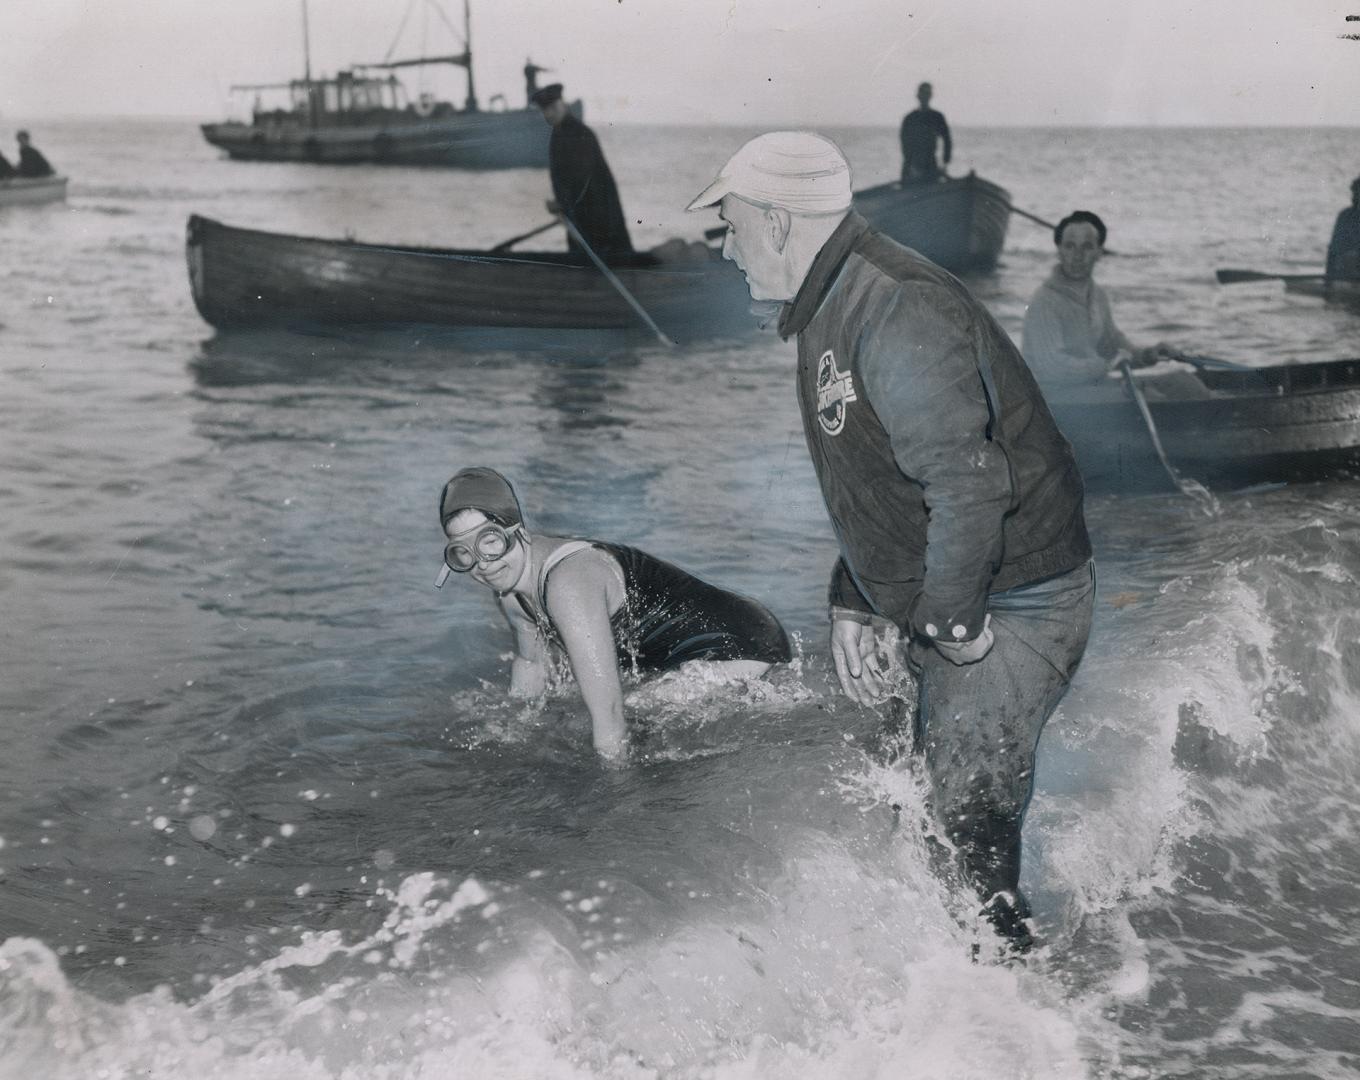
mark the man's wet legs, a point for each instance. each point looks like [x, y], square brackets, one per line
[977, 727]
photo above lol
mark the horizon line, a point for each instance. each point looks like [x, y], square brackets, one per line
[197, 118]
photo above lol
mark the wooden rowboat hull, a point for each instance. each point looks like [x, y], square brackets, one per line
[1283, 422]
[27, 191]
[959, 224]
[249, 278]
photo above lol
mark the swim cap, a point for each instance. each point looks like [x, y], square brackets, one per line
[480, 488]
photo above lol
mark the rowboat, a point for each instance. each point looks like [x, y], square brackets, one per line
[248, 278]
[1224, 425]
[28, 190]
[959, 223]
[1335, 292]
[364, 114]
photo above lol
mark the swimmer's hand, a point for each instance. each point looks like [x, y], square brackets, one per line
[613, 754]
[968, 652]
[864, 658]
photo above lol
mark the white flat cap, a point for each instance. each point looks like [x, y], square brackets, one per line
[799, 170]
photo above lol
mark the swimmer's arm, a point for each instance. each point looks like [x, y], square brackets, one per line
[529, 668]
[578, 604]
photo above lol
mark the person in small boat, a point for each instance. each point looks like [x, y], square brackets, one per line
[31, 161]
[583, 187]
[608, 607]
[1069, 336]
[1343, 252]
[7, 171]
[922, 128]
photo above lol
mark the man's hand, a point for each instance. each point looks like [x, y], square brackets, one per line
[1123, 356]
[865, 659]
[968, 652]
[1141, 358]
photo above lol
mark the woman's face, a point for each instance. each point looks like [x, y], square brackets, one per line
[500, 573]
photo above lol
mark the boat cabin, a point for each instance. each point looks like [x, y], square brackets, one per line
[353, 97]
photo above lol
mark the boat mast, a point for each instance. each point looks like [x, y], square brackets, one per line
[307, 66]
[471, 104]
[306, 46]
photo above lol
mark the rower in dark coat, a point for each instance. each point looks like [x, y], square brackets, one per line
[583, 186]
[31, 162]
[921, 129]
[1343, 253]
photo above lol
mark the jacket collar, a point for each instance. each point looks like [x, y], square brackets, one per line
[798, 312]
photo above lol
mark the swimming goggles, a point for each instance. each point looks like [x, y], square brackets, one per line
[489, 542]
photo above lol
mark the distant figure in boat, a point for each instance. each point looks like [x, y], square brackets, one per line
[531, 73]
[1343, 253]
[1070, 337]
[31, 162]
[583, 186]
[607, 607]
[7, 171]
[922, 128]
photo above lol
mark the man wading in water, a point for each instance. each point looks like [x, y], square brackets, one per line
[956, 501]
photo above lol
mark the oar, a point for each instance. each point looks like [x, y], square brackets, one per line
[721, 230]
[1207, 363]
[1234, 277]
[1192, 488]
[505, 245]
[713, 234]
[1034, 218]
[613, 279]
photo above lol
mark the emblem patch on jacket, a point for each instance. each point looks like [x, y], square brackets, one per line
[835, 391]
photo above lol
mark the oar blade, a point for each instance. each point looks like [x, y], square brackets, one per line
[1229, 276]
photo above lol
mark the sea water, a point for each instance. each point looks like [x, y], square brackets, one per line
[266, 812]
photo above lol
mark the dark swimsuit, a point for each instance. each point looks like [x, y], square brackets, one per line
[669, 617]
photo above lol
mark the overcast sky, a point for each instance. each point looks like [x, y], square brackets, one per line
[749, 62]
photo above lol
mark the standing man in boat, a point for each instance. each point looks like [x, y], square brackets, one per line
[1070, 337]
[583, 186]
[31, 162]
[956, 502]
[1343, 253]
[607, 607]
[922, 128]
[531, 73]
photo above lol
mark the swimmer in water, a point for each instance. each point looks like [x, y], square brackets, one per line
[607, 606]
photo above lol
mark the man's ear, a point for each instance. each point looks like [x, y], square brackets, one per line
[778, 223]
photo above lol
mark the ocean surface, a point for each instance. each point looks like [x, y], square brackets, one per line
[265, 811]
